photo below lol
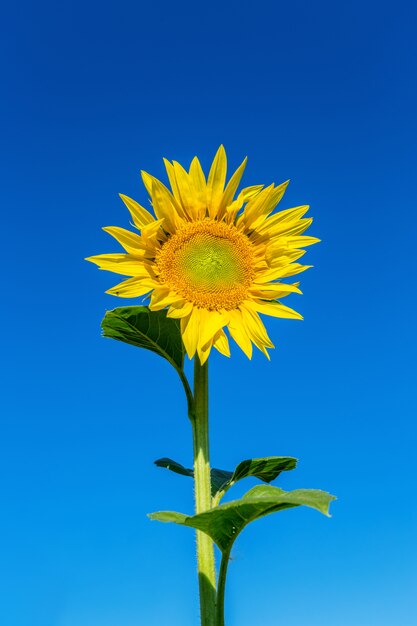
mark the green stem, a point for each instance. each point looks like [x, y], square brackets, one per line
[202, 482]
[188, 393]
[221, 588]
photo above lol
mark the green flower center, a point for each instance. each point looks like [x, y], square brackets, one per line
[210, 263]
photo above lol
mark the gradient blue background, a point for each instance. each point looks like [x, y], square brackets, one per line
[323, 93]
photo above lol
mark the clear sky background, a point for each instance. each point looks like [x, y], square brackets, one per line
[323, 93]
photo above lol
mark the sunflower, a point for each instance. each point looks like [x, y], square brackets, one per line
[215, 261]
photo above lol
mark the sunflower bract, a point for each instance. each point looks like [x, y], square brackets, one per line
[213, 259]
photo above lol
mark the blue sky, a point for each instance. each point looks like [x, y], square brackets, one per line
[321, 93]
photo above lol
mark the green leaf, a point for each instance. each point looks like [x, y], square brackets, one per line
[218, 477]
[224, 523]
[266, 469]
[153, 330]
[174, 466]
[170, 516]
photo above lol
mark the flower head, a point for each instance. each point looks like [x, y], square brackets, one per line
[215, 261]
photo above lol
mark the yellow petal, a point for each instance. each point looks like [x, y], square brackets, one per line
[185, 190]
[190, 329]
[212, 322]
[302, 242]
[289, 230]
[177, 310]
[152, 232]
[140, 215]
[281, 272]
[198, 182]
[289, 216]
[256, 206]
[237, 331]
[147, 181]
[276, 255]
[255, 329]
[221, 343]
[204, 352]
[249, 192]
[132, 288]
[158, 294]
[231, 188]
[163, 206]
[203, 347]
[273, 308]
[272, 291]
[173, 180]
[244, 196]
[277, 194]
[272, 202]
[130, 241]
[162, 298]
[126, 264]
[216, 180]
